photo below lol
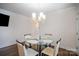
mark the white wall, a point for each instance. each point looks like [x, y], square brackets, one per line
[18, 26]
[61, 23]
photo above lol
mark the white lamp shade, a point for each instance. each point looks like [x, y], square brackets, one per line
[34, 16]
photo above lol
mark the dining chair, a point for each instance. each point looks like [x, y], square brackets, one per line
[23, 51]
[52, 51]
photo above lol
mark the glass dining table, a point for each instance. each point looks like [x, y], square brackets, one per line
[39, 43]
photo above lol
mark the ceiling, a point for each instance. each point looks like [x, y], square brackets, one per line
[28, 8]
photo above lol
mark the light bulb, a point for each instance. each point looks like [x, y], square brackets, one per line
[34, 16]
[39, 18]
[42, 16]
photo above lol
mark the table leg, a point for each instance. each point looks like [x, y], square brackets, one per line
[30, 45]
[39, 50]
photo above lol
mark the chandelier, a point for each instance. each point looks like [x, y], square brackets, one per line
[38, 18]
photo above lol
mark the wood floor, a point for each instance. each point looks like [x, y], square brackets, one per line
[64, 52]
[12, 51]
[9, 51]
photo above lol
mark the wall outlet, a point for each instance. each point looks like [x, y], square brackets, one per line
[77, 48]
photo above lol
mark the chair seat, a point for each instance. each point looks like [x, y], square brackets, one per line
[48, 51]
[30, 52]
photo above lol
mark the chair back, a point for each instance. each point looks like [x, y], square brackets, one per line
[27, 36]
[57, 47]
[20, 49]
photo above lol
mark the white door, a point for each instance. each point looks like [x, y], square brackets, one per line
[77, 33]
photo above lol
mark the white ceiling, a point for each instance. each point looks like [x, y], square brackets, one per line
[28, 8]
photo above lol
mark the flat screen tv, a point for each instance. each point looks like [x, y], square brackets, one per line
[4, 20]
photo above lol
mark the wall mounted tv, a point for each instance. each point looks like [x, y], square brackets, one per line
[4, 20]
